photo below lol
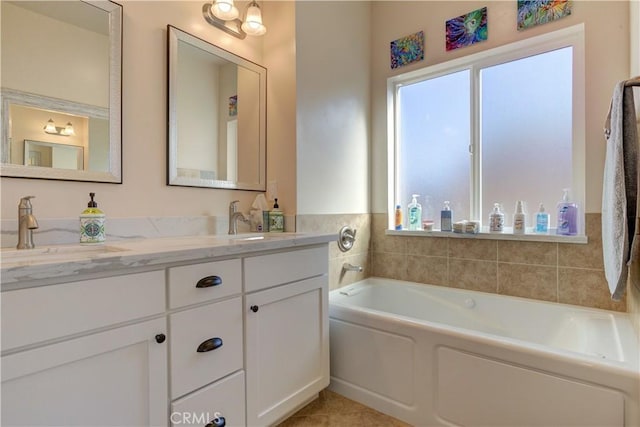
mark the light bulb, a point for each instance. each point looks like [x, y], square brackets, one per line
[252, 24]
[224, 9]
[50, 127]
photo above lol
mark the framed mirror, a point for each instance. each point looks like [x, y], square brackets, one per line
[217, 116]
[61, 90]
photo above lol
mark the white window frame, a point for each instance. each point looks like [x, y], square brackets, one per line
[567, 37]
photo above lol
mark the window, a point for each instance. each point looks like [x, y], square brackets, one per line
[498, 126]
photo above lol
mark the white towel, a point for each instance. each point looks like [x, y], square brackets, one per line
[620, 190]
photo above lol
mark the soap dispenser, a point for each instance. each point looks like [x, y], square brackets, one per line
[92, 222]
[496, 219]
[276, 218]
[542, 220]
[567, 216]
[415, 213]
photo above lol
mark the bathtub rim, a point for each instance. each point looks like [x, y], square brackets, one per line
[628, 368]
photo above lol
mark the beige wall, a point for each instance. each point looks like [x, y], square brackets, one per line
[333, 102]
[607, 61]
[144, 191]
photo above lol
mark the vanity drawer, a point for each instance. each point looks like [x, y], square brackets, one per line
[191, 284]
[200, 328]
[42, 313]
[265, 271]
[224, 398]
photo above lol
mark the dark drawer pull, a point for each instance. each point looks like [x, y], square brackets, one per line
[217, 422]
[207, 282]
[210, 344]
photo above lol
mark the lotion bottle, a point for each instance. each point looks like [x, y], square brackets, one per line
[92, 222]
[446, 217]
[496, 219]
[415, 213]
[519, 219]
[276, 219]
[398, 219]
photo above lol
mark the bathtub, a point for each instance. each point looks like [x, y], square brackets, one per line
[431, 355]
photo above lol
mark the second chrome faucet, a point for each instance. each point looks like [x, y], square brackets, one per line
[26, 223]
[234, 216]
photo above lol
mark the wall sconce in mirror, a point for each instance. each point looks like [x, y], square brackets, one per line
[52, 129]
[223, 14]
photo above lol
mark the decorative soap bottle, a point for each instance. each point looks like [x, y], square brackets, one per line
[519, 219]
[446, 218]
[276, 218]
[415, 213]
[92, 222]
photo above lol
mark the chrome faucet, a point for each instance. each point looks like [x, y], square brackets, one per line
[234, 216]
[350, 267]
[26, 223]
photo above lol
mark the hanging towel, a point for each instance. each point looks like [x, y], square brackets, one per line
[620, 189]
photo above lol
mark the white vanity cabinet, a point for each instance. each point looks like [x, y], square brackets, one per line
[221, 336]
[287, 332]
[80, 353]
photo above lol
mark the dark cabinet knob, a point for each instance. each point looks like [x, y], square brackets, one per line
[217, 422]
[254, 308]
[210, 344]
[209, 281]
[160, 338]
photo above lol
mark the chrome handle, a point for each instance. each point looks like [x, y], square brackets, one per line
[346, 238]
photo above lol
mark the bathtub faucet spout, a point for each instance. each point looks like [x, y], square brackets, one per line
[350, 267]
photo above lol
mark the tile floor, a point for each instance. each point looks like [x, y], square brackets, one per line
[333, 410]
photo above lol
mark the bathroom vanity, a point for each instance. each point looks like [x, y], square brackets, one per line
[184, 331]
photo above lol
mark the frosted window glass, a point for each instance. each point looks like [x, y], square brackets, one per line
[526, 135]
[433, 145]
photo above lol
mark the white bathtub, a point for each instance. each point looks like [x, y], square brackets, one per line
[431, 355]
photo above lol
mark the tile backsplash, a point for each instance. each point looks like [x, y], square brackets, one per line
[557, 272]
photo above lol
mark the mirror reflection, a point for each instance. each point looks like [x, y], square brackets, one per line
[60, 78]
[217, 116]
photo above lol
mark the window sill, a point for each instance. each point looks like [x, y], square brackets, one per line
[486, 235]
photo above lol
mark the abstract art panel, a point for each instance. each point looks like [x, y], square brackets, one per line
[467, 29]
[535, 12]
[407, 49]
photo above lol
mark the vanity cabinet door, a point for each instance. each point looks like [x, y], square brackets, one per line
[117, 377]
[287, 348]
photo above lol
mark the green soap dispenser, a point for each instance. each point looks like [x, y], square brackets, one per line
[92, 222]
[276, 219]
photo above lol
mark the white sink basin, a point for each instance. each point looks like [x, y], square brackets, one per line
[58, 253]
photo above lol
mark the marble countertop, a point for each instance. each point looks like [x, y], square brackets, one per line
[19, 268]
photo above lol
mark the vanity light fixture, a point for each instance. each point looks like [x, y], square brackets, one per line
[52, 129]
[220, 14]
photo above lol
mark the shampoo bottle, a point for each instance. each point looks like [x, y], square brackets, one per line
[398, 223]
[567, 216]
[496, 219]
[445, 217]
[415, 213]
[542, 220]
[519, 219]
[92, 222]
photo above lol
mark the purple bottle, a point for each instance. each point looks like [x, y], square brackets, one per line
[567, 216]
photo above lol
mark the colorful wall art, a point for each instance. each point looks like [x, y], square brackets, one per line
[407, 49]
[467, 29]
[534, 12]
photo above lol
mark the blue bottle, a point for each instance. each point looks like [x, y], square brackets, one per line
[542, 220]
